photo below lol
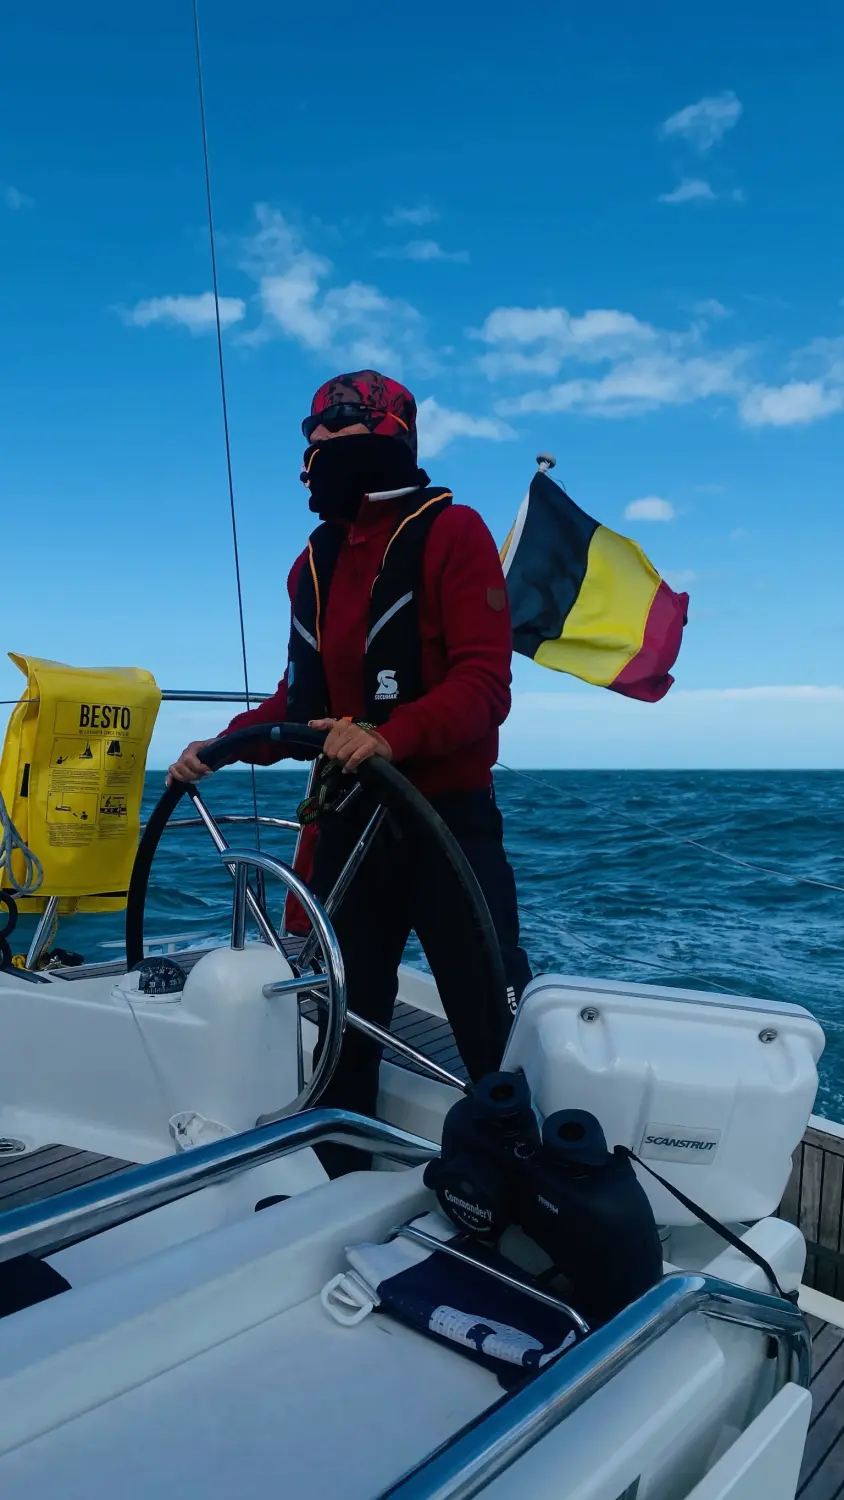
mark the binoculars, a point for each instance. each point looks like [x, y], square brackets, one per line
[580, 1202]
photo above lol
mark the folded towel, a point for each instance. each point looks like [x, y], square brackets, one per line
[498, 1326]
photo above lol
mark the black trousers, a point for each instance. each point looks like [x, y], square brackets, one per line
[395, 892]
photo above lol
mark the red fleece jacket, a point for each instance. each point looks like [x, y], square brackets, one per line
[447, 741]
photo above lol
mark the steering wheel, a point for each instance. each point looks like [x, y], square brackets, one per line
[463, 903]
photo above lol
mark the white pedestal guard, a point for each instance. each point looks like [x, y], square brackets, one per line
[713, 1090]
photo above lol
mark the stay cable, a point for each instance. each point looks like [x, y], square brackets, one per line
[223, 396]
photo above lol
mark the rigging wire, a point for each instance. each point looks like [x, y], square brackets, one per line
[665, 833]
[223, 397]
[559, 927]
[654, 965]
[658, 965]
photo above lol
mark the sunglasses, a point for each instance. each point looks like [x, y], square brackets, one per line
[335, 418]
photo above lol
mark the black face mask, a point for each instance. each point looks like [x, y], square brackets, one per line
[341, 470]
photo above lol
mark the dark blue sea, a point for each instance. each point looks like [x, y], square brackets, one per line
[601, 893]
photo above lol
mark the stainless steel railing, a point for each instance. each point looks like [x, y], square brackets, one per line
[175, 695]
[186, 695]
[488, 1446]
[286, 823]
[43, 1228]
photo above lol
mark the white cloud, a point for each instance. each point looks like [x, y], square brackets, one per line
[424, 250]
[299, 296]
[679, 701]
[197, 314]
[537, 340]
[561, 701]
[647, 367]
[14, 198]
[780, 727]
[438, 426]
[797, 402]
[828, 354]
[710, 307]
[779, 304]
[705, 123]
[354, 322]
[738, 534]
[600, 333]
[698, 190]
[774, 693]
[791, 405]
[637, 385]
[421, 214]
[690, 190]
[515, 362]
[651, 508]
[681, 578]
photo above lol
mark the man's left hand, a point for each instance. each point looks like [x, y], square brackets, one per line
[350, 744]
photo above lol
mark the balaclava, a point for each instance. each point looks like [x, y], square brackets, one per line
[341, 470]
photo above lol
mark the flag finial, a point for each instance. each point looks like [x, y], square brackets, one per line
[545, 461]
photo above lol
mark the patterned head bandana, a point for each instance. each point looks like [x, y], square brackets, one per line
[382, 405]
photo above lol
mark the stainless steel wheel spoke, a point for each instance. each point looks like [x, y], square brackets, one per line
[369, 1029]
[341, 885]
[265, 926]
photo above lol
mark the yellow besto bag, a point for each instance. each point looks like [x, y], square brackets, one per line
[72, 777]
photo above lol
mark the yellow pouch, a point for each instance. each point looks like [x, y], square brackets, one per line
[72, 777]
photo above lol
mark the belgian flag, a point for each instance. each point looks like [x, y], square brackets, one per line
[587, 601]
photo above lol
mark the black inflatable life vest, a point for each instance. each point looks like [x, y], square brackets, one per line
[392, 663]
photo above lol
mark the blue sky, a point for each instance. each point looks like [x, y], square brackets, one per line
[608, 231]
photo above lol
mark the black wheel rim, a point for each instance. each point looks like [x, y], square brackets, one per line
[463, 899]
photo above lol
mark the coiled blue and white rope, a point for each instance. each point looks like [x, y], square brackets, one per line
[11, 843]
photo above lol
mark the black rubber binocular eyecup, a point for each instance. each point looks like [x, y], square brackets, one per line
[574, 1138]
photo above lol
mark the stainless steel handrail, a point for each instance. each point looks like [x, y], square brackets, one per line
[287, 823]
[174, 695]
[486, 1447]
[186, 695]
[43, 1228]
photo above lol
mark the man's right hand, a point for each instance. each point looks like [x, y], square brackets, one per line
[188, 767]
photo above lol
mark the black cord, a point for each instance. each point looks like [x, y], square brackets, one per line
[221, 362]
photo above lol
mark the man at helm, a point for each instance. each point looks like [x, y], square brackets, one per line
[400, 646]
